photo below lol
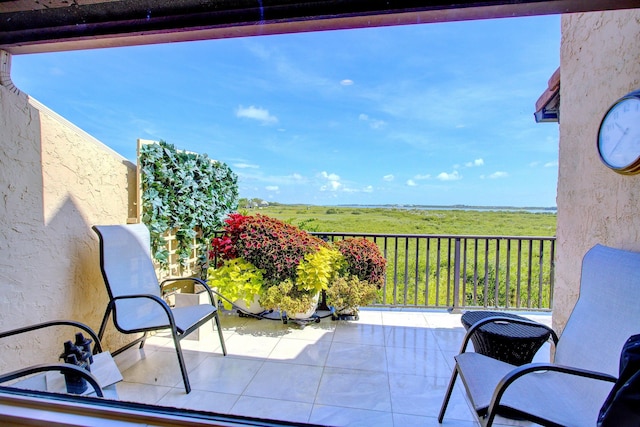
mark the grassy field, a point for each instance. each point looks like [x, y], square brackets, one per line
[414, 221]
[494, 272]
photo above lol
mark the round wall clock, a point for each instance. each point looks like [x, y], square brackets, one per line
[619, 135]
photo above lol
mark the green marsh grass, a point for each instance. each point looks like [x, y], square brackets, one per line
[524, 266]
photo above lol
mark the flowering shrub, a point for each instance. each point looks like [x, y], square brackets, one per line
[363, 259]
[270, 244]
[288, 267]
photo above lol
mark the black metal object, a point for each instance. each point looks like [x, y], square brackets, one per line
[514, 343]
[531, 367]
[462, 261]
[78, 358]
[28, 27]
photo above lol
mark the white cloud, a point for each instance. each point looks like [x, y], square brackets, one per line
[272, 188]
[346, 82]
[368, 189]
[388, 178]
[411, 183]
[333, 181]
[421, 177]
[498, 175]
[551, 164]
[453, 176]
[330, 176]
[476, 162]
[256, 113]
[373, 123]
[245, 166]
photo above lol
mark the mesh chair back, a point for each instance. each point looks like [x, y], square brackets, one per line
[606, 312]
[127, 269]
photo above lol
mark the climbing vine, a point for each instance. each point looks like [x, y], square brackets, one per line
[186, 193]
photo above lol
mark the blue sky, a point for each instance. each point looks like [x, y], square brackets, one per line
[433, 114]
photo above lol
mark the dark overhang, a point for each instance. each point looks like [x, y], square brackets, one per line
[31, 26]
[548, 105]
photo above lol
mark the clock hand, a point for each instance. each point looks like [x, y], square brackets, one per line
[624, 133]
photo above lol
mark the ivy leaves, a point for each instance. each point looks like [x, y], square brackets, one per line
[187, 193]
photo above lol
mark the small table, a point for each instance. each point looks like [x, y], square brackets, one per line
[509, 342]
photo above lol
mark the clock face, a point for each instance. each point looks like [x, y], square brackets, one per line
[619, 136]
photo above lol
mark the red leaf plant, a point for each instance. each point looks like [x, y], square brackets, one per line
[363, 259]
[268, 243]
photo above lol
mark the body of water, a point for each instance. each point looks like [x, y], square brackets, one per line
[549, 210]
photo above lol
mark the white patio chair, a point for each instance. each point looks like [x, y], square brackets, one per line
[571, 390]
[134, 292]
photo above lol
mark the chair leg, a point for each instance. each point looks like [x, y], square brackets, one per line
[183, 368]
[143, 339]
[224, 347]
[447, 396]
[103, 325]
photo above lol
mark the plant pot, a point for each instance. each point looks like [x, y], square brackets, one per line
[350, 313]
[310, 312]
[253, 308]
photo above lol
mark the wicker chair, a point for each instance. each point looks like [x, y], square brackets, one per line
[134, 292]
[570, 391]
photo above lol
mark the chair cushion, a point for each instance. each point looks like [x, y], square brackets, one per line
[145, 314]
[188, 317]
[541, 394]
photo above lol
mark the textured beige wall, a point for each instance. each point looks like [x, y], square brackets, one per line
[55, 182]
[600, 62]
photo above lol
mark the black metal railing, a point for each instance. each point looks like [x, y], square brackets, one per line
[456, 272]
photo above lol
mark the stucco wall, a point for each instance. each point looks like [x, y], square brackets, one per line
[55, 183]
[600, 62]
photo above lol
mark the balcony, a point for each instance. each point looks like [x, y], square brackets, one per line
[391, 367]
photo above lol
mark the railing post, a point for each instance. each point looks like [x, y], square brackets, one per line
[456, 277]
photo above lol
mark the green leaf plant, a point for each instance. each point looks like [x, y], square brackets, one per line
[186, 193]
[236, 279]
[294, 266]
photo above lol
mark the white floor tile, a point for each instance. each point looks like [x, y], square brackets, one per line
[417, 361]
[359, 333]
[354, 389]
[349, 417]
[357, 356]
[390, 368]
[161, 368]
[272, 409]
[142, 393]
[224, 374]
[297, 383]
[199, 400]
[301, 351]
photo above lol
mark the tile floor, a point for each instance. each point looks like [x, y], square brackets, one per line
[389, 368]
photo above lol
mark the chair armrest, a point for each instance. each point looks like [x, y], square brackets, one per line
[528, 368]
[60, 367]
[473, 328]
[155, 298]
[194, 279]
[97, 348]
